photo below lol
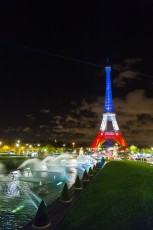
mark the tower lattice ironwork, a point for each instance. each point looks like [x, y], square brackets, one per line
[109, 129]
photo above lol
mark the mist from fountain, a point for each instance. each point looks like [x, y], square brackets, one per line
[28, 196]
[53, 168]
[2, 169]
[57, 163]
[54, 163]
[43, 166]
[27, 172]
[32, 163]
[63, 161]
[86, 160]
[31, 195]
[36, 170]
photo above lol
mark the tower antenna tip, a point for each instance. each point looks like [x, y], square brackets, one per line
[107, 60]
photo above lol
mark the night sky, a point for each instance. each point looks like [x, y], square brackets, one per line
[52, 59]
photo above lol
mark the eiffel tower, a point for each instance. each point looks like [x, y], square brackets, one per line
[109, 129]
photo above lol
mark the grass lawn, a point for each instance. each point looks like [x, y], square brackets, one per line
[120, 197]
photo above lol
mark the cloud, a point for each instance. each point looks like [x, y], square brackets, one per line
[27, 130]
[131, 61]
[121, 79]
[134, 103]
[69, 118]
[9, 129]
[43, 126]
[46, 111]
[30, 116]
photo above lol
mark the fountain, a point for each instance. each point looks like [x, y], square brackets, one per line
[12, 189]
[22, 190]
[27, 172]
[86, 161]
[32, 163]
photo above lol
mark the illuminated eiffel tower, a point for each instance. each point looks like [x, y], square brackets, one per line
[109, 129]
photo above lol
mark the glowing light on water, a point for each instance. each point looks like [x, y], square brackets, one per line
[59, 183]
[34, 195]
[18, 208]
[28, 196]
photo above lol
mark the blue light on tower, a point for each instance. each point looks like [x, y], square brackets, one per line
[109, 107]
